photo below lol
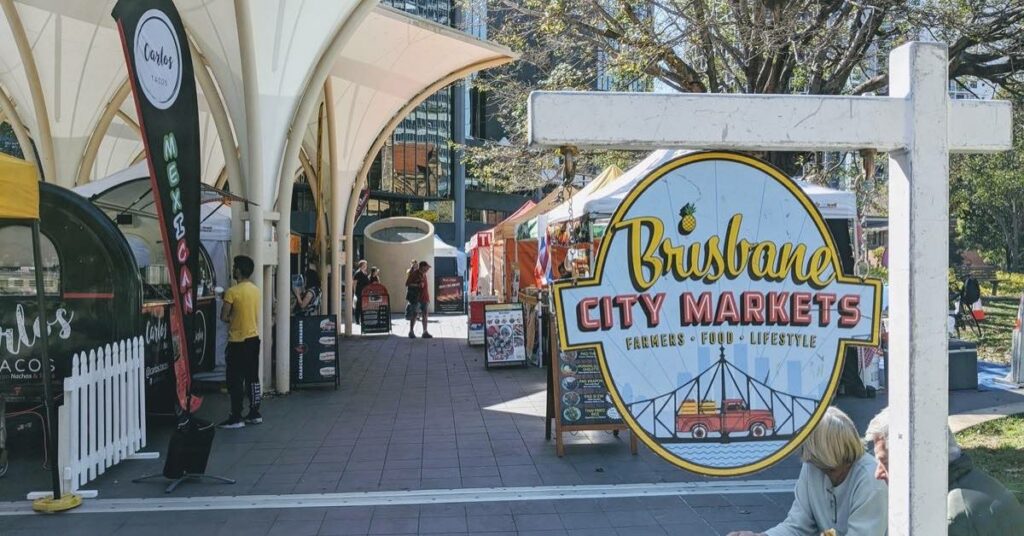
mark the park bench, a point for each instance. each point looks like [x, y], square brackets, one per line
[984, 274]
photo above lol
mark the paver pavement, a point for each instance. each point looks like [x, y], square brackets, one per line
[416, 414]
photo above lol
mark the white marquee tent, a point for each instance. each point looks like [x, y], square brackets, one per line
[833, 204]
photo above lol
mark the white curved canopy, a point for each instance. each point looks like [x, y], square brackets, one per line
[375, 78]
[285, 40]
[76, 50]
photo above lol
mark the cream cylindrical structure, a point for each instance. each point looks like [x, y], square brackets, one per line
[390, 244]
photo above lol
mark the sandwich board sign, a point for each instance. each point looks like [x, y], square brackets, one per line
[719, 313]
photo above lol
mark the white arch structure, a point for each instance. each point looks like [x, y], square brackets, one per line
[263, 67]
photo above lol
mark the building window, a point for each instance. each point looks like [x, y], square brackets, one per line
[478, 113]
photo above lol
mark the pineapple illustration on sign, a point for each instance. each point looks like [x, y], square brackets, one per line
[687, 221]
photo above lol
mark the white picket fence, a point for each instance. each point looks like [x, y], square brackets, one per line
[103, 418]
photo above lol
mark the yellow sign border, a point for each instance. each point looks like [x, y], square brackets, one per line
[595, 280]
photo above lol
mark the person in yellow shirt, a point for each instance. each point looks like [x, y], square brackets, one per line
[241, 310]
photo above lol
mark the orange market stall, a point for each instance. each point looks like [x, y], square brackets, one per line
[486, 264]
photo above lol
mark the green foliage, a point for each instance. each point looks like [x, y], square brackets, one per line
[987, 199]
[735, 46]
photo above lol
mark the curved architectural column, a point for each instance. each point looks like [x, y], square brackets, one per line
[43, 138]
[385, 132]
[232, 167]
[112, 108]
[303, 113]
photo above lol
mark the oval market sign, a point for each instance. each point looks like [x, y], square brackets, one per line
[719, 313]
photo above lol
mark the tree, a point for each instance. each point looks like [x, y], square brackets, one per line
[987, 196]
[728, 46]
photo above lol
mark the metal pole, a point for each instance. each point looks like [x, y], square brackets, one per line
[51, 423]
[459, 188]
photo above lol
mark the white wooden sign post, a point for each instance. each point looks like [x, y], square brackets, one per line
[918, 125]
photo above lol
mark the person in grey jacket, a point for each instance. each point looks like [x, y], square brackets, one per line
[977, 504]
[836, 490]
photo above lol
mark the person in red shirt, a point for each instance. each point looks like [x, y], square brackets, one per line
[418, 278]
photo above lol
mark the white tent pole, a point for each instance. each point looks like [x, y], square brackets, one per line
[24, 140]
[303, 111]
[254, 178]
[360, 180]
[336, 218]
[92, 147]
[44, 138]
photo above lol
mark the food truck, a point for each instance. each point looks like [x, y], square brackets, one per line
[105, 280]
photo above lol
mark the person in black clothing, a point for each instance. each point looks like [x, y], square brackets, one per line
[374, 275]
[361, 279]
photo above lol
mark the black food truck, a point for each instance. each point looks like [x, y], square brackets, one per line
[105, 280]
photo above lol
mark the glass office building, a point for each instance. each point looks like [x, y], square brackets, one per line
[414, 170]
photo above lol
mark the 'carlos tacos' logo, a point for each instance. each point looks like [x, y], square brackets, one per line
[719, 313]
[158, 59]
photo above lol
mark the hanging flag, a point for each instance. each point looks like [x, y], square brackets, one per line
[542, 271]
[163, 84]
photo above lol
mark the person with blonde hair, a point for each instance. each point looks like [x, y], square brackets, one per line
[836, 493]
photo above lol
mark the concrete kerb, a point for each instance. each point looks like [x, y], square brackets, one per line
[967, 419]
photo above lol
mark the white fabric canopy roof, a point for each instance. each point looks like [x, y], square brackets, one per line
[374, 78]
[833, 204]
[580, 201]
[444, 249]
[215, 217]
[77, 53]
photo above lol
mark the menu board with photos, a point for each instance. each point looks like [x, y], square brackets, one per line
[504, 334]
[314, 350]
[578, 398]
[583, 397]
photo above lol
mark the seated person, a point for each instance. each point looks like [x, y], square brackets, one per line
[977, 504]
[836, 490]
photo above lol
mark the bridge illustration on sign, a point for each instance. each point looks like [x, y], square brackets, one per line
[723, 404]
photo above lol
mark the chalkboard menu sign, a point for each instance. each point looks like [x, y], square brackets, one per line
[314, 350]
[578, 398]
[375, 306]
[449, 297]
[504, 334]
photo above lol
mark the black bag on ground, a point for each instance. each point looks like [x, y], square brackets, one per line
[189, 449]
[972, 291]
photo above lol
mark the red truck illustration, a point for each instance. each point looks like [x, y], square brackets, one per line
[701, 420]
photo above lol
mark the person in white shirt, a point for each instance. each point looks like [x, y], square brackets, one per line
[837, 490]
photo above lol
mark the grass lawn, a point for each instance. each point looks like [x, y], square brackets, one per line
[997, 447]
[1000, 315]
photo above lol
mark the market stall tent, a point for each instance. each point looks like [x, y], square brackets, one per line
[526, 226]
[833, 204]
[444, 252]
[487, 257]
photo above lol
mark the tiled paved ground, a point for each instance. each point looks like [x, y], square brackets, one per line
[693, 516]
[422, 414]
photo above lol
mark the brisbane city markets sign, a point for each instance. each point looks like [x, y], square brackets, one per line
[719, 313]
